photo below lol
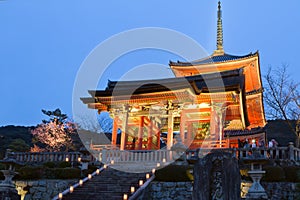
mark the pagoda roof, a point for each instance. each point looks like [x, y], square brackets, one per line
[231, 80]
[214, 58]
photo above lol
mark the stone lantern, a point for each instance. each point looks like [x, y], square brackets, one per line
[85, 158]
[256, 191]
[7, 188]
[179, 152]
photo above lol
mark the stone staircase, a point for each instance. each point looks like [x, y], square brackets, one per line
[110, 184]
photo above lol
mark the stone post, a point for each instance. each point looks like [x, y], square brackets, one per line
[291, 151]
[217, 176]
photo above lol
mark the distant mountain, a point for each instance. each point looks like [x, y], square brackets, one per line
[18, 137]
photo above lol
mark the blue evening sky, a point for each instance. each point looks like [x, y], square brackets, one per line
[43, 43]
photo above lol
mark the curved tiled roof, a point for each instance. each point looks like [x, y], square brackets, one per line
[252, 131]
[231, 80]
[213, 59]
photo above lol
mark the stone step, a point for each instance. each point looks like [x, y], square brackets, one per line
[110, 184]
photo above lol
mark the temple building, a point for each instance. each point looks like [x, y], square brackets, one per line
[211, 103]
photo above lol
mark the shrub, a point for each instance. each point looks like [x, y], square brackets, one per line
[274, 174]
[30, 172]
[64, 164]
[1, 176]
[244, 174]
[174, 173]
[291, 173]
[90, 170]
[67, 173]
[2, 166]
[49, 164]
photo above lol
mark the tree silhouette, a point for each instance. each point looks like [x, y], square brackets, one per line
[282, 97]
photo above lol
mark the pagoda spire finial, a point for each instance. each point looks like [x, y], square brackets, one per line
[220, 50]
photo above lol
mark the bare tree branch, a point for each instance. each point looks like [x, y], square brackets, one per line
[281, 97]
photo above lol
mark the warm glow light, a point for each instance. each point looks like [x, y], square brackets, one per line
[71, 189]
[112, 162]
[67, 159]
[89, 176]
[125, 197]
[97, 171]
[80, 182]
[164, 160]
[253, 141]
[132, 189]
[79, 159]
[60, 195]
[141, 182]
[158, 165]
[147, 176]
[105, 166]
[153, 171]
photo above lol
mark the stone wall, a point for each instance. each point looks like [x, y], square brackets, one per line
[42, 189]
[275, 190]
[169, 191]
[183, 190]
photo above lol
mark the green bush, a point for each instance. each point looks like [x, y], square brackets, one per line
[63, 164]
[30, 173]
[67, 173]
[49, 164]
[174, 173]
[274, 174]
[291, 173]
[2, 166]
[1, 176]
[62, 173]
[90, 170]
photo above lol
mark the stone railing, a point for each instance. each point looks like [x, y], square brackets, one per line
[28, 157]
[109, 155]
[106, 155]
[139, 194]
[272, 153]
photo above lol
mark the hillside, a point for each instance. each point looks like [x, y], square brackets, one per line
[15, 137]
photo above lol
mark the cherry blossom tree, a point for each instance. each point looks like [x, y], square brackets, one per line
[54, 134]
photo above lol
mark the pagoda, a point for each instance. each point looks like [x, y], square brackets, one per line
[212, 102]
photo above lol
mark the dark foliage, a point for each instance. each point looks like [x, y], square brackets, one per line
[174, 173]
[47, 171]
[62, 173]
[11, 136]
[280, 131]
[274, 174]
[30, 173]
[64, 164]
[291, 173]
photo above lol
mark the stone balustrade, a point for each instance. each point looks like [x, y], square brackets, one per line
[272, 153]
[28, 157]
[108, 155]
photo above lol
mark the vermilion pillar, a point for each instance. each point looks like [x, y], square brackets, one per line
[182, 126]
[170, 130]
[141, 132]
[124, 129]
[115, 131]
[150, 134]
